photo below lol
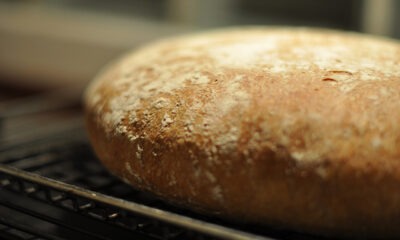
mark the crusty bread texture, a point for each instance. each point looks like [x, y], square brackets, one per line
[289, 127]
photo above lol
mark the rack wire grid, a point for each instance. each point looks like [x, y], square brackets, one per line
[53, 187]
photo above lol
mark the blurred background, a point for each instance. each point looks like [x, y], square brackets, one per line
[61, 44]
[50, 50]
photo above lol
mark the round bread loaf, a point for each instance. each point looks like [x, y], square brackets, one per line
[288, 127]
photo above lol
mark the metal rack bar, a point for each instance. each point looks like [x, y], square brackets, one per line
[71, 227]
[168, 217]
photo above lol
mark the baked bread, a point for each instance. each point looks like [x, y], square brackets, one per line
[289, 127]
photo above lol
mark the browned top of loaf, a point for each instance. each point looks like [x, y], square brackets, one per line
[313, 95]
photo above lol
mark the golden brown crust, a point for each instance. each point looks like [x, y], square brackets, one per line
[294, 128]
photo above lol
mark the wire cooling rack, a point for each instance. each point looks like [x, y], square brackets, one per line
[53, 187]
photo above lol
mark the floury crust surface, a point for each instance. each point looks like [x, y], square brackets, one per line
[288, 127]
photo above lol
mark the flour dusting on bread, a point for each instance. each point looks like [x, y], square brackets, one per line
[259, 124]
